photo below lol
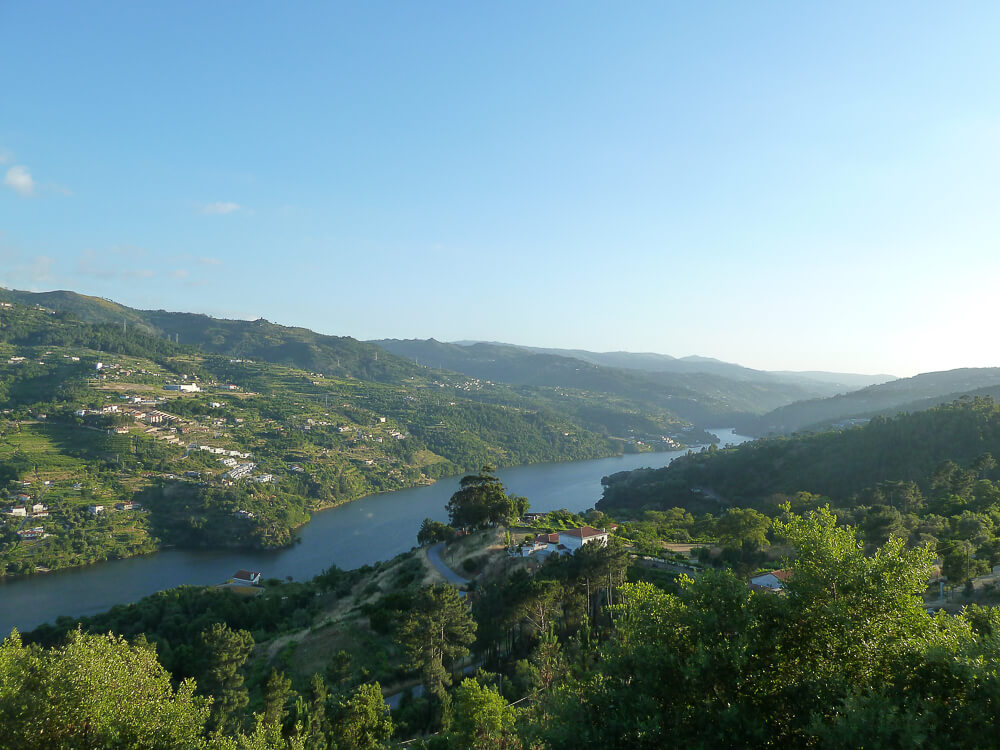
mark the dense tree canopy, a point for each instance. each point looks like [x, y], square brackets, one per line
[483, 501]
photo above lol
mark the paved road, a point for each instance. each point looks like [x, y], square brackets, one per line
[434, 555]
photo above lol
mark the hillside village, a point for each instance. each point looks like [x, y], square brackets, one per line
[220, 450]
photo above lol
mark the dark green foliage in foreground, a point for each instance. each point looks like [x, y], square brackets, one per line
[716, 665]
[99, 691]
[436, 635]
[847, 657]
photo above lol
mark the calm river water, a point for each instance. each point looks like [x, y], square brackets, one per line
[374, 528]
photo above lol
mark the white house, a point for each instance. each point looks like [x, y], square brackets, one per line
[247, 577]
[95, 509]
[773, 581]
[542, 544]
[183, 387]
[573, 539]
[38, 508]
[18, 510]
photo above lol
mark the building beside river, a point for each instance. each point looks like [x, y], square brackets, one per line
[565, 542]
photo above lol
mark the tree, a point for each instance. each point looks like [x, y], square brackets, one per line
[436, 634]
[434, 531]
[481, 719]
[225, 652]
[95, 691]
[311, 715]
[740, 526]
[363, 721]
[483, 501]
[716, 665]
[277, 691]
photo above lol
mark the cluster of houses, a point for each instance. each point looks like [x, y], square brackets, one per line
[219, 451]
[241, 471]
[564, 542]
[23, 510]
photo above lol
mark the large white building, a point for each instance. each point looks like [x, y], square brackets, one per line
[576, 538]
[565, 542]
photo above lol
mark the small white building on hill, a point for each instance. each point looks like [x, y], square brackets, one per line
[247, 577]
[565, 542]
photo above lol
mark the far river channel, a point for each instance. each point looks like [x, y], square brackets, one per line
[377, 527]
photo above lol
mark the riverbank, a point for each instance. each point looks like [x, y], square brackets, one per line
[150, 548]
[374, 528]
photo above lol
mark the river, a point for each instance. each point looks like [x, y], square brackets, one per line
[373, 528]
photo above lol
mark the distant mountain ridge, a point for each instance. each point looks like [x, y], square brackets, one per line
[827, 382]
[706, 398]
[906, 394]
[258, 339]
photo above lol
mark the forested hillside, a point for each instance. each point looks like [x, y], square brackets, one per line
[837, 464]
[127, 441]
[887, 399]
[243, 339]
[705, 398]
[577, 653]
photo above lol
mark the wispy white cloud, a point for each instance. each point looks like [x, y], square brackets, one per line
[220, 208]
[210, 261]
[180, 273]
[110, 264]
[22, 272]
[141, 273]
[19, 179]
[130, 251]
[5, 156]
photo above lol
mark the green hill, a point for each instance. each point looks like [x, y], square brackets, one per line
[90, 415]
[835, 464]
[905, 394]
[242, 339]
[705, 398]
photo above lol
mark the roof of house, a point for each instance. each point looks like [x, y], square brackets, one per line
[540, 538]
[246, 575]
[781, 575]
[584, 532]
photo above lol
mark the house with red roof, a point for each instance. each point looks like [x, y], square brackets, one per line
[246, 577]
[564, 542]
[573, 539]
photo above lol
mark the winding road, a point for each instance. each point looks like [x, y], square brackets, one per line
[434, 555]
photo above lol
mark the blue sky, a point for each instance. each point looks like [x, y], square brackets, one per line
[787, 186]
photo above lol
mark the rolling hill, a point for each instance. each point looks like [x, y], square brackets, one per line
[906, 394]
[705, 398]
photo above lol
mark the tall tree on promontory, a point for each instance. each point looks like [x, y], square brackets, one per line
[483, 501]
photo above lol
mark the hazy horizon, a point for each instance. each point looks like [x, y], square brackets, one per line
[783, 187]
